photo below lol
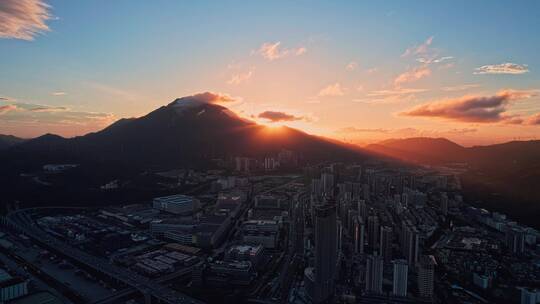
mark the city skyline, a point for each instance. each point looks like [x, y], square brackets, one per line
[351, 71]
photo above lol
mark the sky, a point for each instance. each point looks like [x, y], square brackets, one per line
[355, 71]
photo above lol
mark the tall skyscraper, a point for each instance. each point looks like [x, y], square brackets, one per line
[515, 240]
[326, 253]
[444, 203]
[399, 287]
[426, 276]
[374, 274]
[410, 243]
[528, 296]
[362, 209]
[385, 243]
[328, 184]
[358, 234]
[316, 187]
[373, 232]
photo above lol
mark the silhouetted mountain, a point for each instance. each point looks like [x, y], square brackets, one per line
[440, 150]
[421, 149]
[7, 141]
[502, 174]
[185, 133]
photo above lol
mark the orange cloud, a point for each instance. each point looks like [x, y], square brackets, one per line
[272, 51]
[275, 116]
[332, 90]
[534, 119]
[23, 19]
[7, 108]
[206, 97]
[418, 49]
[351, 66]
[240, 78]
[32, 119]
[469, 108]
[412, 75]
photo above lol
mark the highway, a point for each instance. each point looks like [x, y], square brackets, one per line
[163, 294]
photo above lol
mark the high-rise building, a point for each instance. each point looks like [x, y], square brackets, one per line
[410, 243]
[515, 240]
[374, 274]
[326, 253]
[444, 203]
[426, 276]
[373, 232]
[328, 184]
[385, 243]
[399, 287]
[528, 296]
[339, 235]
[362, 209]
[365, 191]
[242, 164]
[358, 234]
[316, 187]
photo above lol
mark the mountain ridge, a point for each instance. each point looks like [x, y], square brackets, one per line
[186, 132]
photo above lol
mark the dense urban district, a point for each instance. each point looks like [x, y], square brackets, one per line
[333, 232]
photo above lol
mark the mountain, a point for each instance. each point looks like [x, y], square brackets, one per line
[7, 141]
[508, 156]
[420, 149]
[186, 133]
[504, 176]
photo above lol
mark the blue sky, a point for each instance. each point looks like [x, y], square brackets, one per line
[125, 58]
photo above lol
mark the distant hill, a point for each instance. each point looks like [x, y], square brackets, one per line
[500, 175]
[508, 156]
[7, 141]
[421, 149]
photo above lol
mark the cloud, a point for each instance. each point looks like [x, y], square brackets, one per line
[418, 49]
[391, 96]
[433, 60]
[240, 78]
[470, 108]
[353, 130]
[372, 70]
[23, 19]
[59, 93]
[275, 116]
[28, 119]
[351, 66]
[406, 131]
[113, 91]
[398, 91]
[412, 75]
[7, 108]
[207, 97]
[48, 109]
[332, 90]
[273, 50]
[300, 51]
[533, 119]
[503, 68]
[462, 87]
[427, 55]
